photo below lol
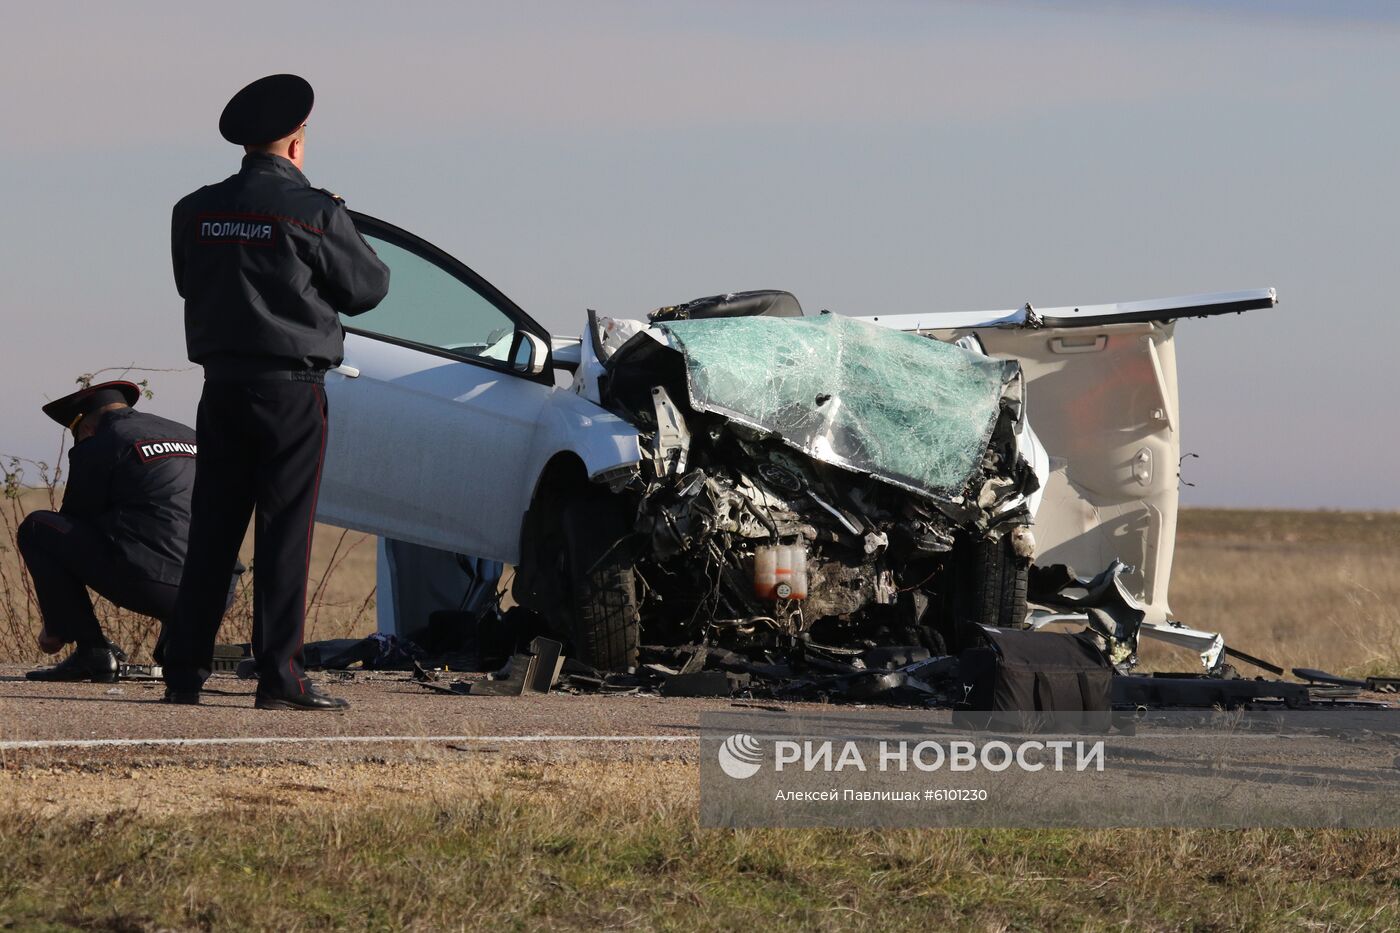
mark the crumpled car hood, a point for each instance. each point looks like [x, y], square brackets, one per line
[912, 411]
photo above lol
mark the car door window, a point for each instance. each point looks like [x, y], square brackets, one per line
[430, 306]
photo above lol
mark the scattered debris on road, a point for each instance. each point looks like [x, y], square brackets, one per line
[1012, 670]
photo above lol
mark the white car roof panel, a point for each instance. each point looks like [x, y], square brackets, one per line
[1154, 309]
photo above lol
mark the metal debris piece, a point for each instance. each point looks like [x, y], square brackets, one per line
[894, 656]
[228, 658]
[509, 681]
[1260, 663]
[536, 672]
[545, 664]
[1333, 692]
[379, 651]
[888, 687]
[129, 671]
[1313, 675]
[696, 662]
[670, 444]
[1192, 692]
[456, 688]
[1114, 615]
[704, 684]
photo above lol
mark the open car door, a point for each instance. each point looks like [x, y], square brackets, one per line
[1102, 398]
[435, 408]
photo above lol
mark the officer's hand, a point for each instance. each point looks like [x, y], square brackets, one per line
[49, 644]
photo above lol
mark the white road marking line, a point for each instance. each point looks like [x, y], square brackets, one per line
[22, 744]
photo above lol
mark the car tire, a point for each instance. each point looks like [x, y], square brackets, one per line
[991, 584]
[605, 624]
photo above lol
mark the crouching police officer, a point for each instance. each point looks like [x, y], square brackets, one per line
[264, 262]
[121, 529]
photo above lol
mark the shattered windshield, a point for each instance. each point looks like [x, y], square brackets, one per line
[908, 409]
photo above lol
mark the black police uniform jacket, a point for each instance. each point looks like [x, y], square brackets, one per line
[132, 480]
[264, 262]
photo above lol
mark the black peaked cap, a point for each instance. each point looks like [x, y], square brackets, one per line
[65, 409]
[267, 110]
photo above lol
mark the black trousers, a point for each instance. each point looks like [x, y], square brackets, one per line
[261, 444]
[65, 556]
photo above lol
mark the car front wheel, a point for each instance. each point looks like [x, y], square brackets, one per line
[989, 585]
[605, 623]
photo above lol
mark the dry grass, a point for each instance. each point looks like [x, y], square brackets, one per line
[340, 592]
[1305, 589]
[586, 845]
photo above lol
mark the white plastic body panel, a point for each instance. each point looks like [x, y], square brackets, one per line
[1099, 408]
[1102, 403]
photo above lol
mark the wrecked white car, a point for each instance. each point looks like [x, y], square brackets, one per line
[735, 471]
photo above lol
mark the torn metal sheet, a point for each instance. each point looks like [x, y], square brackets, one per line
[1114, 615]
[1209, 645]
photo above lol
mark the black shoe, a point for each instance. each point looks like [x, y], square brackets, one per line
[181, 697]
[311, 699]
[97, 663]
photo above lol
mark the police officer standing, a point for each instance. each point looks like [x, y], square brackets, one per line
[264, 262]
[121, 528]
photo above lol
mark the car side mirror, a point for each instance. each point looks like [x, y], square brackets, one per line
[531, 354]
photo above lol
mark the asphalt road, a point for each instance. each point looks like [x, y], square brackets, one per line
[390, 716]
[68, 729]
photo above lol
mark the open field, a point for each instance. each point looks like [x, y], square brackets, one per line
[1304, 589]
[437, 836]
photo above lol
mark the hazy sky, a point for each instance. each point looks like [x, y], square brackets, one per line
[871, 157]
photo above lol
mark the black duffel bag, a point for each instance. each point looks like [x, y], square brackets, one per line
[1021, 671]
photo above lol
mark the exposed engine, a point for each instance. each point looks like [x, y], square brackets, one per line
[742, 538]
